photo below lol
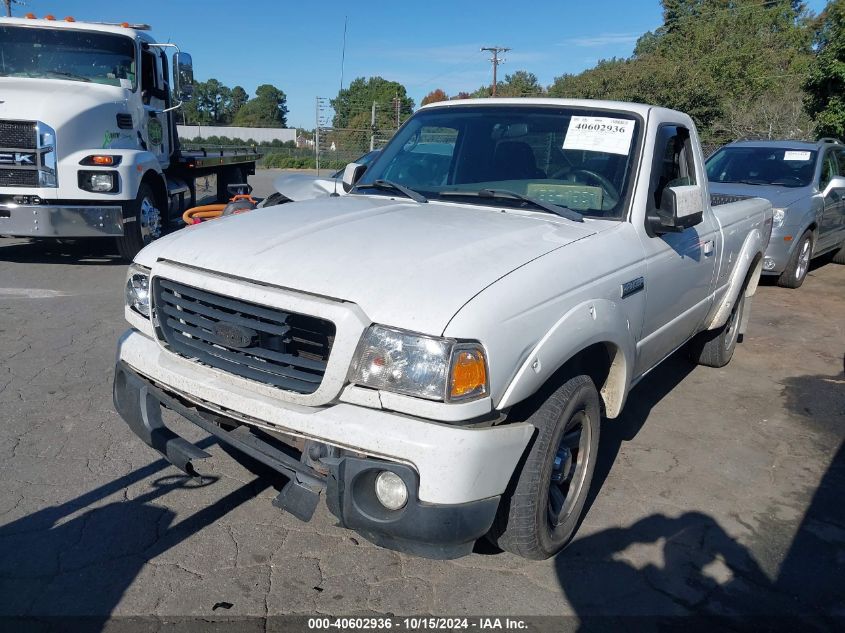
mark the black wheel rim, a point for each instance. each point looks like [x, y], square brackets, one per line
[569, 469]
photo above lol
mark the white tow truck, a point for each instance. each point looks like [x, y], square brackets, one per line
[88, 143]
[434, 352]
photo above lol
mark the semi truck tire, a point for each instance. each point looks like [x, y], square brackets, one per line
[542, 507]
[141, 223]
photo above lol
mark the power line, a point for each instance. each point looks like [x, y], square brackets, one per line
[495, 60]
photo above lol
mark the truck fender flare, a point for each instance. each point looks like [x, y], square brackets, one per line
[589, 324]
[745, 277]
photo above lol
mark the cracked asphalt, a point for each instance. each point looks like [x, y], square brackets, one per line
[718, 493]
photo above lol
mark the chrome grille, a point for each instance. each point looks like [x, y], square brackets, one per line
[18, 135]
[283, 349]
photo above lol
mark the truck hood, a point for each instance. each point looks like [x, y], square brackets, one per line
[780, 197]
[82, 114]
[304, 186]
[405, 264]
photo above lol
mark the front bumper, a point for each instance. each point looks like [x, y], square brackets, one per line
[779, 250]
[19, 220]
[432, 530]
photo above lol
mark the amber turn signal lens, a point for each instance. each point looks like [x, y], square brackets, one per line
[102, 160]
[469, 374]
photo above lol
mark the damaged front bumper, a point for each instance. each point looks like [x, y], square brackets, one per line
[344, 477]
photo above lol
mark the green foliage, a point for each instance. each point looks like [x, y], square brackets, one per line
[216, 104]
[825, 84]
[267, 109]
[520, 84]
[714, 59]
[353, 105]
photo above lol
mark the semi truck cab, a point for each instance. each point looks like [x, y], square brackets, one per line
[88, 140]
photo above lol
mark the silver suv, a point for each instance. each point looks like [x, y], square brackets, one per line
[805, 183]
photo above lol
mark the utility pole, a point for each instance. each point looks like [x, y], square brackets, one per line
[8, 4]
[397, 108]
[495, 60]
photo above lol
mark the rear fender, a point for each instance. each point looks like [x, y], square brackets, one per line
[598, 321]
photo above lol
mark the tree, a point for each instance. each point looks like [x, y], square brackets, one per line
[434, 96]
[359, 97]
[520, 84]
[267, 109]
[825, 84]
[239, 97]
[462, 95]
[713, 59]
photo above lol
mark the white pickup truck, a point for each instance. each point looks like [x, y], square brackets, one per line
[435, 352]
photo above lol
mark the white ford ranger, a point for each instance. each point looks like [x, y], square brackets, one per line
[435, 352]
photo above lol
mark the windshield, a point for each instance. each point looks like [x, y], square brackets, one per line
[100, 58]
[572, 157]
[762, 166]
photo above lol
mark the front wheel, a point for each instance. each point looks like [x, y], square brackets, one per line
[839, 256]
[542, 507]
[796, 270]
[715, 348]
[142, 223]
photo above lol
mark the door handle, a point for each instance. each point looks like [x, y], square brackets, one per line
[708, 247]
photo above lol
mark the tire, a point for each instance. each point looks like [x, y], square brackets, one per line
[524, 524]
[839, 256]
[715, 348]
[796, 270]
[142, 223]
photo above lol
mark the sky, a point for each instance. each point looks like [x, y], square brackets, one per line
[297, 46]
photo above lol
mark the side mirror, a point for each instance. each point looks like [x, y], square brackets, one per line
[837, 182]
[680, 209]
[183, 76]
[352, 174]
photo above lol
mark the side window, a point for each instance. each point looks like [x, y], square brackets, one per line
[426, 158]
[150, 84]
[674, 162]
[830, 168]
[840, 158]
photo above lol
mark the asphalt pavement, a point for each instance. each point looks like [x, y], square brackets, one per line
[719, 491]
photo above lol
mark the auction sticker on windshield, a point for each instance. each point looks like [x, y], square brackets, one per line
[599, 134]
[795, 155]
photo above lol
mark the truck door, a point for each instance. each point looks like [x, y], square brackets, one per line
[154, 94]
[680, 267]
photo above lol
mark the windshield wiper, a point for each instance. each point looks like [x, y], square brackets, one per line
[557, 209]
[416, 196]
[62, 73]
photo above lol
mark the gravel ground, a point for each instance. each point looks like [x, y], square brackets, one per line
[717, 493]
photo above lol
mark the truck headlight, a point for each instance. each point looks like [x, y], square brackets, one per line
[417, 365]
[138, 289]
[777, 217]
[98, 181]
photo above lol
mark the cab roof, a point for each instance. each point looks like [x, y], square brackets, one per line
[786, 144]
[642, 109]
[61, 23]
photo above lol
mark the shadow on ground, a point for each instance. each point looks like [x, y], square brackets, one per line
[74, 252]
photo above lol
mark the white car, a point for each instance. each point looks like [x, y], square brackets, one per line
[296, 187]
